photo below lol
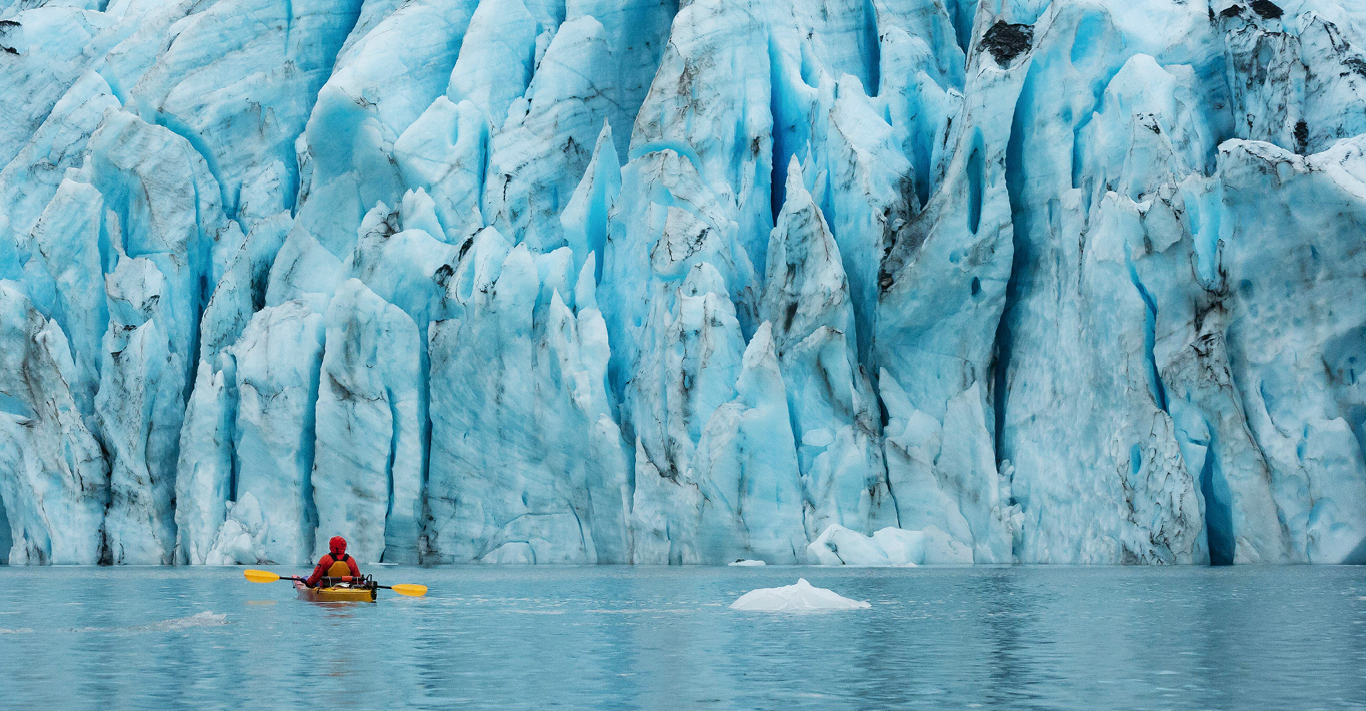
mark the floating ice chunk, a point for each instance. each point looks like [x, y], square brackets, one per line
[742, 563]
[511, 553]
[889, 547]
[838, 545]
[242, 537]
[801, 597]
[201, 619]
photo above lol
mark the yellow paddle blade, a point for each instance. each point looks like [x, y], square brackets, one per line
[260, 576]
[410, 590]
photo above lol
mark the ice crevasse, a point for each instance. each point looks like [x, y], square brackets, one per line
[662, 281]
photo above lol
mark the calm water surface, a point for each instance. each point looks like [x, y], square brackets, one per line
[655, 638]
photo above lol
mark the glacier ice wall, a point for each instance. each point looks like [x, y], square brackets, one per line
[682, 281]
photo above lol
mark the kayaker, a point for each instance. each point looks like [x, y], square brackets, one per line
[335, 564]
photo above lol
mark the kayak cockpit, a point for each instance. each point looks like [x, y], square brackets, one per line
[335, 590]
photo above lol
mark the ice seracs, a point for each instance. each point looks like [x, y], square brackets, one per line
[831, 405]
[277, 367]
[368, 458]
[527, 464]
[530, 281]
[56, 485]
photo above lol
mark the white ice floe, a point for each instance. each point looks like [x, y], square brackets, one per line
[888, 547]
[838, 545]
[801, 597]
[200, 619]
[742, 563]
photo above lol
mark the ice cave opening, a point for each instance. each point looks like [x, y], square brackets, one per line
[5, 540]
[1218, 514]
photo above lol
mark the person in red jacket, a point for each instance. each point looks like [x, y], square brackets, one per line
[335, 564]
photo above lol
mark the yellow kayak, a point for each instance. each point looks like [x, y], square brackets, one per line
[343, 589]
[335, 594]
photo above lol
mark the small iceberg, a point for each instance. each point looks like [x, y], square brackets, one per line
[795, 598]
[742, 563]
[889, 547]
[202, 619]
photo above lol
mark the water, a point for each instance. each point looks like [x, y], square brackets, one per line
[658, 638]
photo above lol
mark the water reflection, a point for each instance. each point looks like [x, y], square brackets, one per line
[1007, 616]
[663, 638]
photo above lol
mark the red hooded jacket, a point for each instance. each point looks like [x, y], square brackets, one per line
[337, 546]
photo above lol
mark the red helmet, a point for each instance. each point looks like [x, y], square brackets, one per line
[337, 545]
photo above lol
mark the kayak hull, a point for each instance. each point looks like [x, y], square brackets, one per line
[334, 594]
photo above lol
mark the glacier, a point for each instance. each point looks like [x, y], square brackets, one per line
[683, 281]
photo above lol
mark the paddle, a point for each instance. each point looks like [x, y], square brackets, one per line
[406, 589]
[265, 576]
